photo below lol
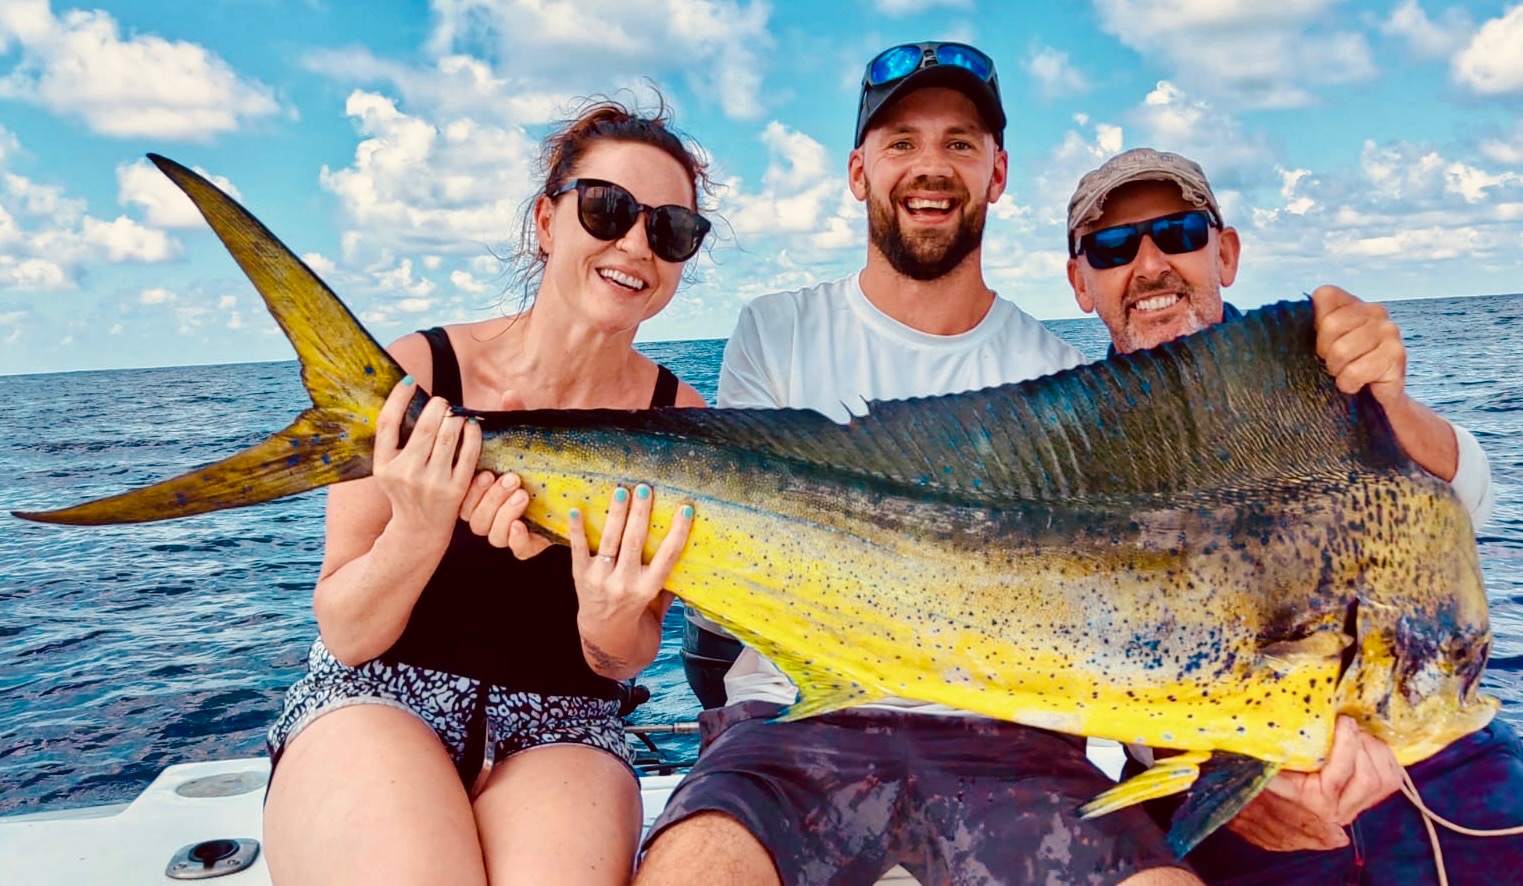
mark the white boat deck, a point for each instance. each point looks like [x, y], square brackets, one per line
[194, 802]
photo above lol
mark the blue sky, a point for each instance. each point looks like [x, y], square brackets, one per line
[1377, 145]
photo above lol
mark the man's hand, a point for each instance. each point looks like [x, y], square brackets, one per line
[1360, 345]
[1308, 810]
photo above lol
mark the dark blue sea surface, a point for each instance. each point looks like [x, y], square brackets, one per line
[126, 649]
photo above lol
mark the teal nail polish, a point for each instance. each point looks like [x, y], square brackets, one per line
[642, 490]
[620, 494]
[576, 514]
[407, 379]
[687, 512]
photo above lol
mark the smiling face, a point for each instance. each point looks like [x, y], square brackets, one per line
[928, 170]
[1156, 297]
[615, 284]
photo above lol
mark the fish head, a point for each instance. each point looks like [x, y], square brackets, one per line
[1415, 681]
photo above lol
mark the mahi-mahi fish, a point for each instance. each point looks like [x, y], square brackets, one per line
[1204, 547]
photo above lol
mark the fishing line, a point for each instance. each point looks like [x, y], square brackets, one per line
[1409, 790]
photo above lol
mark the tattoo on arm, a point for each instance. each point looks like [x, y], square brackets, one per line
[601, 661]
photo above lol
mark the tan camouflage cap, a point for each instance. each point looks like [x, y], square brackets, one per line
[1137, 165]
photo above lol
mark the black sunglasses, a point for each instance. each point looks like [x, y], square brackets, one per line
[607, 212]
[1173, 234]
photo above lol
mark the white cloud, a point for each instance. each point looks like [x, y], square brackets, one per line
[77, 64]
[157, 295]
[1426, 38]
[1258, 54]
[164, 205]
[910, 7]
[416, 185]
[1170, 119]
[1492, 63]
[1055, 75]
[48, 239]
[718, 46]
[1506, 149]
[800, 197]
[463, 281]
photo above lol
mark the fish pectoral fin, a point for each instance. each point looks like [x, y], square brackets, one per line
[1285, 655]
[1226, 784]
[823, 693]
[1169, 775]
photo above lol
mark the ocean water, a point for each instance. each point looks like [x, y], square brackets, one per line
[126, 649]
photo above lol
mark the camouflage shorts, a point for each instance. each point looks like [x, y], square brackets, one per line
[844, 797]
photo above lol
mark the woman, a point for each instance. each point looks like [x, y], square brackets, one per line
[459, 719]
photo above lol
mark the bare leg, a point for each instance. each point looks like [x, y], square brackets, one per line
[710, 847]
[560, 814]
[367, 794]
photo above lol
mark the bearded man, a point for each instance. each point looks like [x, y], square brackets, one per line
[843, 797]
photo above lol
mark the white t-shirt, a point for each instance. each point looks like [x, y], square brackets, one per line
[827, 348]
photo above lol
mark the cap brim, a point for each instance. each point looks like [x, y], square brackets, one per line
[983, 96]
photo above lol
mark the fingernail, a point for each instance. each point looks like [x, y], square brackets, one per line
[642, 490]
[507, 480]
[576, 514]
[407, 379]
[687, 512]
[620, 494]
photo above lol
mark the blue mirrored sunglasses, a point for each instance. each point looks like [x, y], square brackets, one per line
[1173, 234]
[901, 61]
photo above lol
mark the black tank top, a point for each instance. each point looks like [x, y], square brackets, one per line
[487, 615]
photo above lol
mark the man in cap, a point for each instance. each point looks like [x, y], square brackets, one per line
[1150, 254]
[842, 797]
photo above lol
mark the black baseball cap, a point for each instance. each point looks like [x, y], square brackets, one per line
[902, 69]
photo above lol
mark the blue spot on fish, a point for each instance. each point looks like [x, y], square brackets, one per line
[293, 461]
[370, 370]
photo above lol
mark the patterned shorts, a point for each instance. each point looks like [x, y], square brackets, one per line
[477, 722]
[843, 797]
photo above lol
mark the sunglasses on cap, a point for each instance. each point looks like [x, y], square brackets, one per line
[899, 62]
[608, 212]
[1173, 234]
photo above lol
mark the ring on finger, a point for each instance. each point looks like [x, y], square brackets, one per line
[605, 558]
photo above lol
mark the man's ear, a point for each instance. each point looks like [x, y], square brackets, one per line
[1228, 247]
[1000, 177]
[856, 174]
[544, 211]
[1080, 287]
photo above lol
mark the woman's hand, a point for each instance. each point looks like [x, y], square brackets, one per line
[620, 597]
[426, 479]
[494, 505]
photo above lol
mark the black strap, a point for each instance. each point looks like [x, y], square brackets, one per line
[666, 388]
[446, 367]
[447, 373]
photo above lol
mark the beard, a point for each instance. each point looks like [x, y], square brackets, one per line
[1133, 333]
[929, 255]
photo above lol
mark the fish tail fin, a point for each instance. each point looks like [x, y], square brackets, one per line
[346, 372]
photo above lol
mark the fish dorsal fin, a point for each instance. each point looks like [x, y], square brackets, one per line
[1220, 413]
